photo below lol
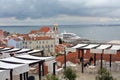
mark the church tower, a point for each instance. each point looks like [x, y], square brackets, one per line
[56, 35]
[55, 28]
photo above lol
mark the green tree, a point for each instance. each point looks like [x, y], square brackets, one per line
[69, 73]
[104, 74]
[6, 33]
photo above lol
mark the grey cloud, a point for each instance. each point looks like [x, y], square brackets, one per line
[29, 8]
[22, 9]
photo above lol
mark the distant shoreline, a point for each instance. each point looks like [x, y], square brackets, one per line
[68, 25]
[99, 33]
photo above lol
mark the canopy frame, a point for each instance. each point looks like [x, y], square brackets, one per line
[100, 46]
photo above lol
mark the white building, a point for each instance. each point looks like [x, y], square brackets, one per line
[45, 43]
[46, 31]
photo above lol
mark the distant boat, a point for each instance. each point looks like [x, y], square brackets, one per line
[68, 36]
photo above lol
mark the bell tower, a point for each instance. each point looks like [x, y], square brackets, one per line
[56, 35]
[55, 28]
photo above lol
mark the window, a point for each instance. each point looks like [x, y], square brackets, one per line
[29, 42]
[43, 42]
[51, 45]
[42, 46]
[46, 46]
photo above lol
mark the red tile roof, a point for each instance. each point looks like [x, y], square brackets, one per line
[44, 29]
[26, 37]
[33, 32]
[59, 48]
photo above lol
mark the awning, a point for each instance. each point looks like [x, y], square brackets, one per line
[90, 46]
[80, 45]
[17, 68]
[103, 46]
[112, 50]
[4, 74]
[5, 49]
[23, 51]
[35, 57]
[12, 50]
[48, 60]
[100, 48]
[25, 61]
[16, 51]
[34, 51]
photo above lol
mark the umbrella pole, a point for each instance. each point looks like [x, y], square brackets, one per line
[78, 54]
[110, 60]
[11, 74]
[101, 61]
[20, 76]
[95, 59]
[82, 60]
[54, 71]
[42, 68]
[39, 71]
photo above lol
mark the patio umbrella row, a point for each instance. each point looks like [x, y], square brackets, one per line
[97, 49]
[20, 66]
[7, 52]
[15, 69]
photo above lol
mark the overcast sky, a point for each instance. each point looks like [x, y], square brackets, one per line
[40, 12]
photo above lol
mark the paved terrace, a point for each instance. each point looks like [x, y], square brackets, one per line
[87, 75]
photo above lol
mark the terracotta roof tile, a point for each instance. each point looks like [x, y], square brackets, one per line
[44, 29]
[37, 38]
[58, 48]
[33, 32]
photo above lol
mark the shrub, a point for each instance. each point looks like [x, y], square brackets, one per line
[69, 73]
[51, 77]
[104, 74]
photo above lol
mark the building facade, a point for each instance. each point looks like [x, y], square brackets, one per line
[45, 43]
[15, 42]
[46, 31]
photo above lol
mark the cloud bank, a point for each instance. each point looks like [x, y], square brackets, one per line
[22, 9]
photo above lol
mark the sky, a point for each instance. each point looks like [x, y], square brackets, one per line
[47, 12]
